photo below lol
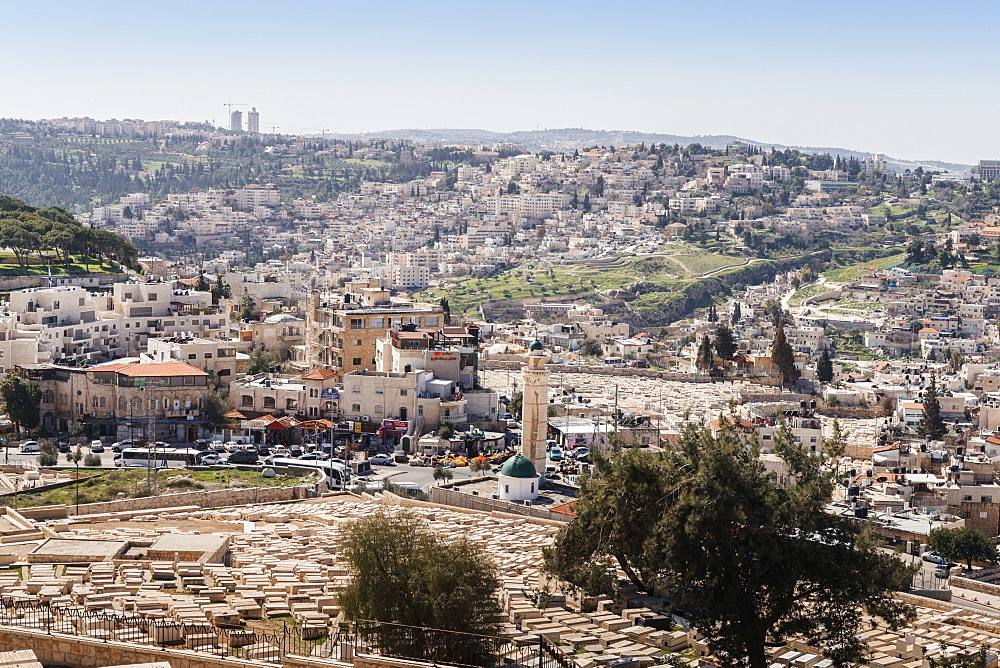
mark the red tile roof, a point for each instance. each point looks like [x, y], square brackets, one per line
[161, 369]
[319, 374]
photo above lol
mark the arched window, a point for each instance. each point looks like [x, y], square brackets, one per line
[48, 397]
[122, 404]
[135, 405]
[104, 403]
[247, 401]
[268, 402]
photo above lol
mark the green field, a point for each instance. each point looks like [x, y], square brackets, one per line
[856, 271]
[541, 279]
[132, 482]
[37, 266]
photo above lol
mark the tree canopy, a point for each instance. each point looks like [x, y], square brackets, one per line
[824, 367]
[966, 544]
[745, 556]
[22, 400]
[26, 229]
[725, 342]
[402, 572]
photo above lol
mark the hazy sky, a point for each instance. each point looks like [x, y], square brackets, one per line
[912, 79]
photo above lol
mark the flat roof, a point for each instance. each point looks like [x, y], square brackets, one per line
[79, 549]
[184, 542]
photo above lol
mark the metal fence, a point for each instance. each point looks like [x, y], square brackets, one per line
[271, 641]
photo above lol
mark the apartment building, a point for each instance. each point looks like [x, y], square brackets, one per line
[219, 359]
[123, 399]
[342, 331]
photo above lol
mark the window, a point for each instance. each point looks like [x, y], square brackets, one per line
[128, 295]
[766, 437]
[812, 439]
[357, 342]
[48, 397]
[222, 372]
[432, 321]
[355, 408]
[378, 408]
[357, 323]
[403, 393]
[356, 361]
[55, 306]
[355, 388]
[189, 380]
[103, 402]
[291, 404]
[984, 516]
[376, 323]
[208, 356]
[986, 499]
[247, 401]
[967, 497]
[193, 356]
[506, 489]
[122, 404]
[152, 296]
[268, 402]
[447, 412]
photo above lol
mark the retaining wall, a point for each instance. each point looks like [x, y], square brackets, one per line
[217, 498]
[63, 650]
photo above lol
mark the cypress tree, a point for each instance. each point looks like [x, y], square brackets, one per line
[725, 342]
[783, 356]
[931, 423]
[824, 368]
[704, 359]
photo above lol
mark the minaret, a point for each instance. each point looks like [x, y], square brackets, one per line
[535, 408]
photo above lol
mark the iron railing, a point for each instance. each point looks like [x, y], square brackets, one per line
[270, 641]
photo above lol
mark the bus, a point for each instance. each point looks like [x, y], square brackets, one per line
[161, 458]
[338, 474]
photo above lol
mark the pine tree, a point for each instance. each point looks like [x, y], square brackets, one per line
[824, 368]
[783, 356]
[931, 423]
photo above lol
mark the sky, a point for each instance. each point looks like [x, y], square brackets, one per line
[913, 80]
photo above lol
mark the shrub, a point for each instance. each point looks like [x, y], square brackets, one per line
[48, 459]
[92, 460]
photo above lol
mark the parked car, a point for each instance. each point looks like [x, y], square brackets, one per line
[556, 453]
[232, 446]
[936, 558]
[63, 446]
[240, 457]
[121, 445]
[581, 452]
[942, 571]
[29, 447]
[309, 456]
[209, 459]
[201, 444]
[295, 450]
[280, 451]
[96, 446]
[381, 460]
[218, 446]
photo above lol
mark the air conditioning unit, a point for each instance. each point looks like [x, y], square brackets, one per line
[366, 418]
[111, 413]
[93, 414]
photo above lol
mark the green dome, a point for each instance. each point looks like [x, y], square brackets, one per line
[519, 466]
[537, 345]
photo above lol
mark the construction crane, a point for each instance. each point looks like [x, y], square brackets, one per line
[275, 128]
[230, 106]
[322, 130]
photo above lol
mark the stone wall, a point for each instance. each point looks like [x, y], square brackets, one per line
[454, 498]
[62, 650]
[217, 498]
[975, 585]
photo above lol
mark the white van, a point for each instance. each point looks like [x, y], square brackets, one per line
[29, 447]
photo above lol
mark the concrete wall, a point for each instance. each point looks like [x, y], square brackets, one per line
[454, 498]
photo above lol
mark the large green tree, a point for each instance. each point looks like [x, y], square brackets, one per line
[22, 400]
[748, 558]
[591, 348]
[783, 356]
[402, 572]
[966, 544]
[262, 360]
[704, 358]
[824, 367]
[931, 422]
[725, 342]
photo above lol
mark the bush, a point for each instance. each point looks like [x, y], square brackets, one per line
[92, 460]
[48, 459]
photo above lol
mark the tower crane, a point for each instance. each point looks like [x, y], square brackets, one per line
[322, 130]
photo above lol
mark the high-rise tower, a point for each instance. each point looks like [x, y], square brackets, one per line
[253, 121]
[236, 121]
[535, 407]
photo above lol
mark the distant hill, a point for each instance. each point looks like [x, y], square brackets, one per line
[568, 139]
